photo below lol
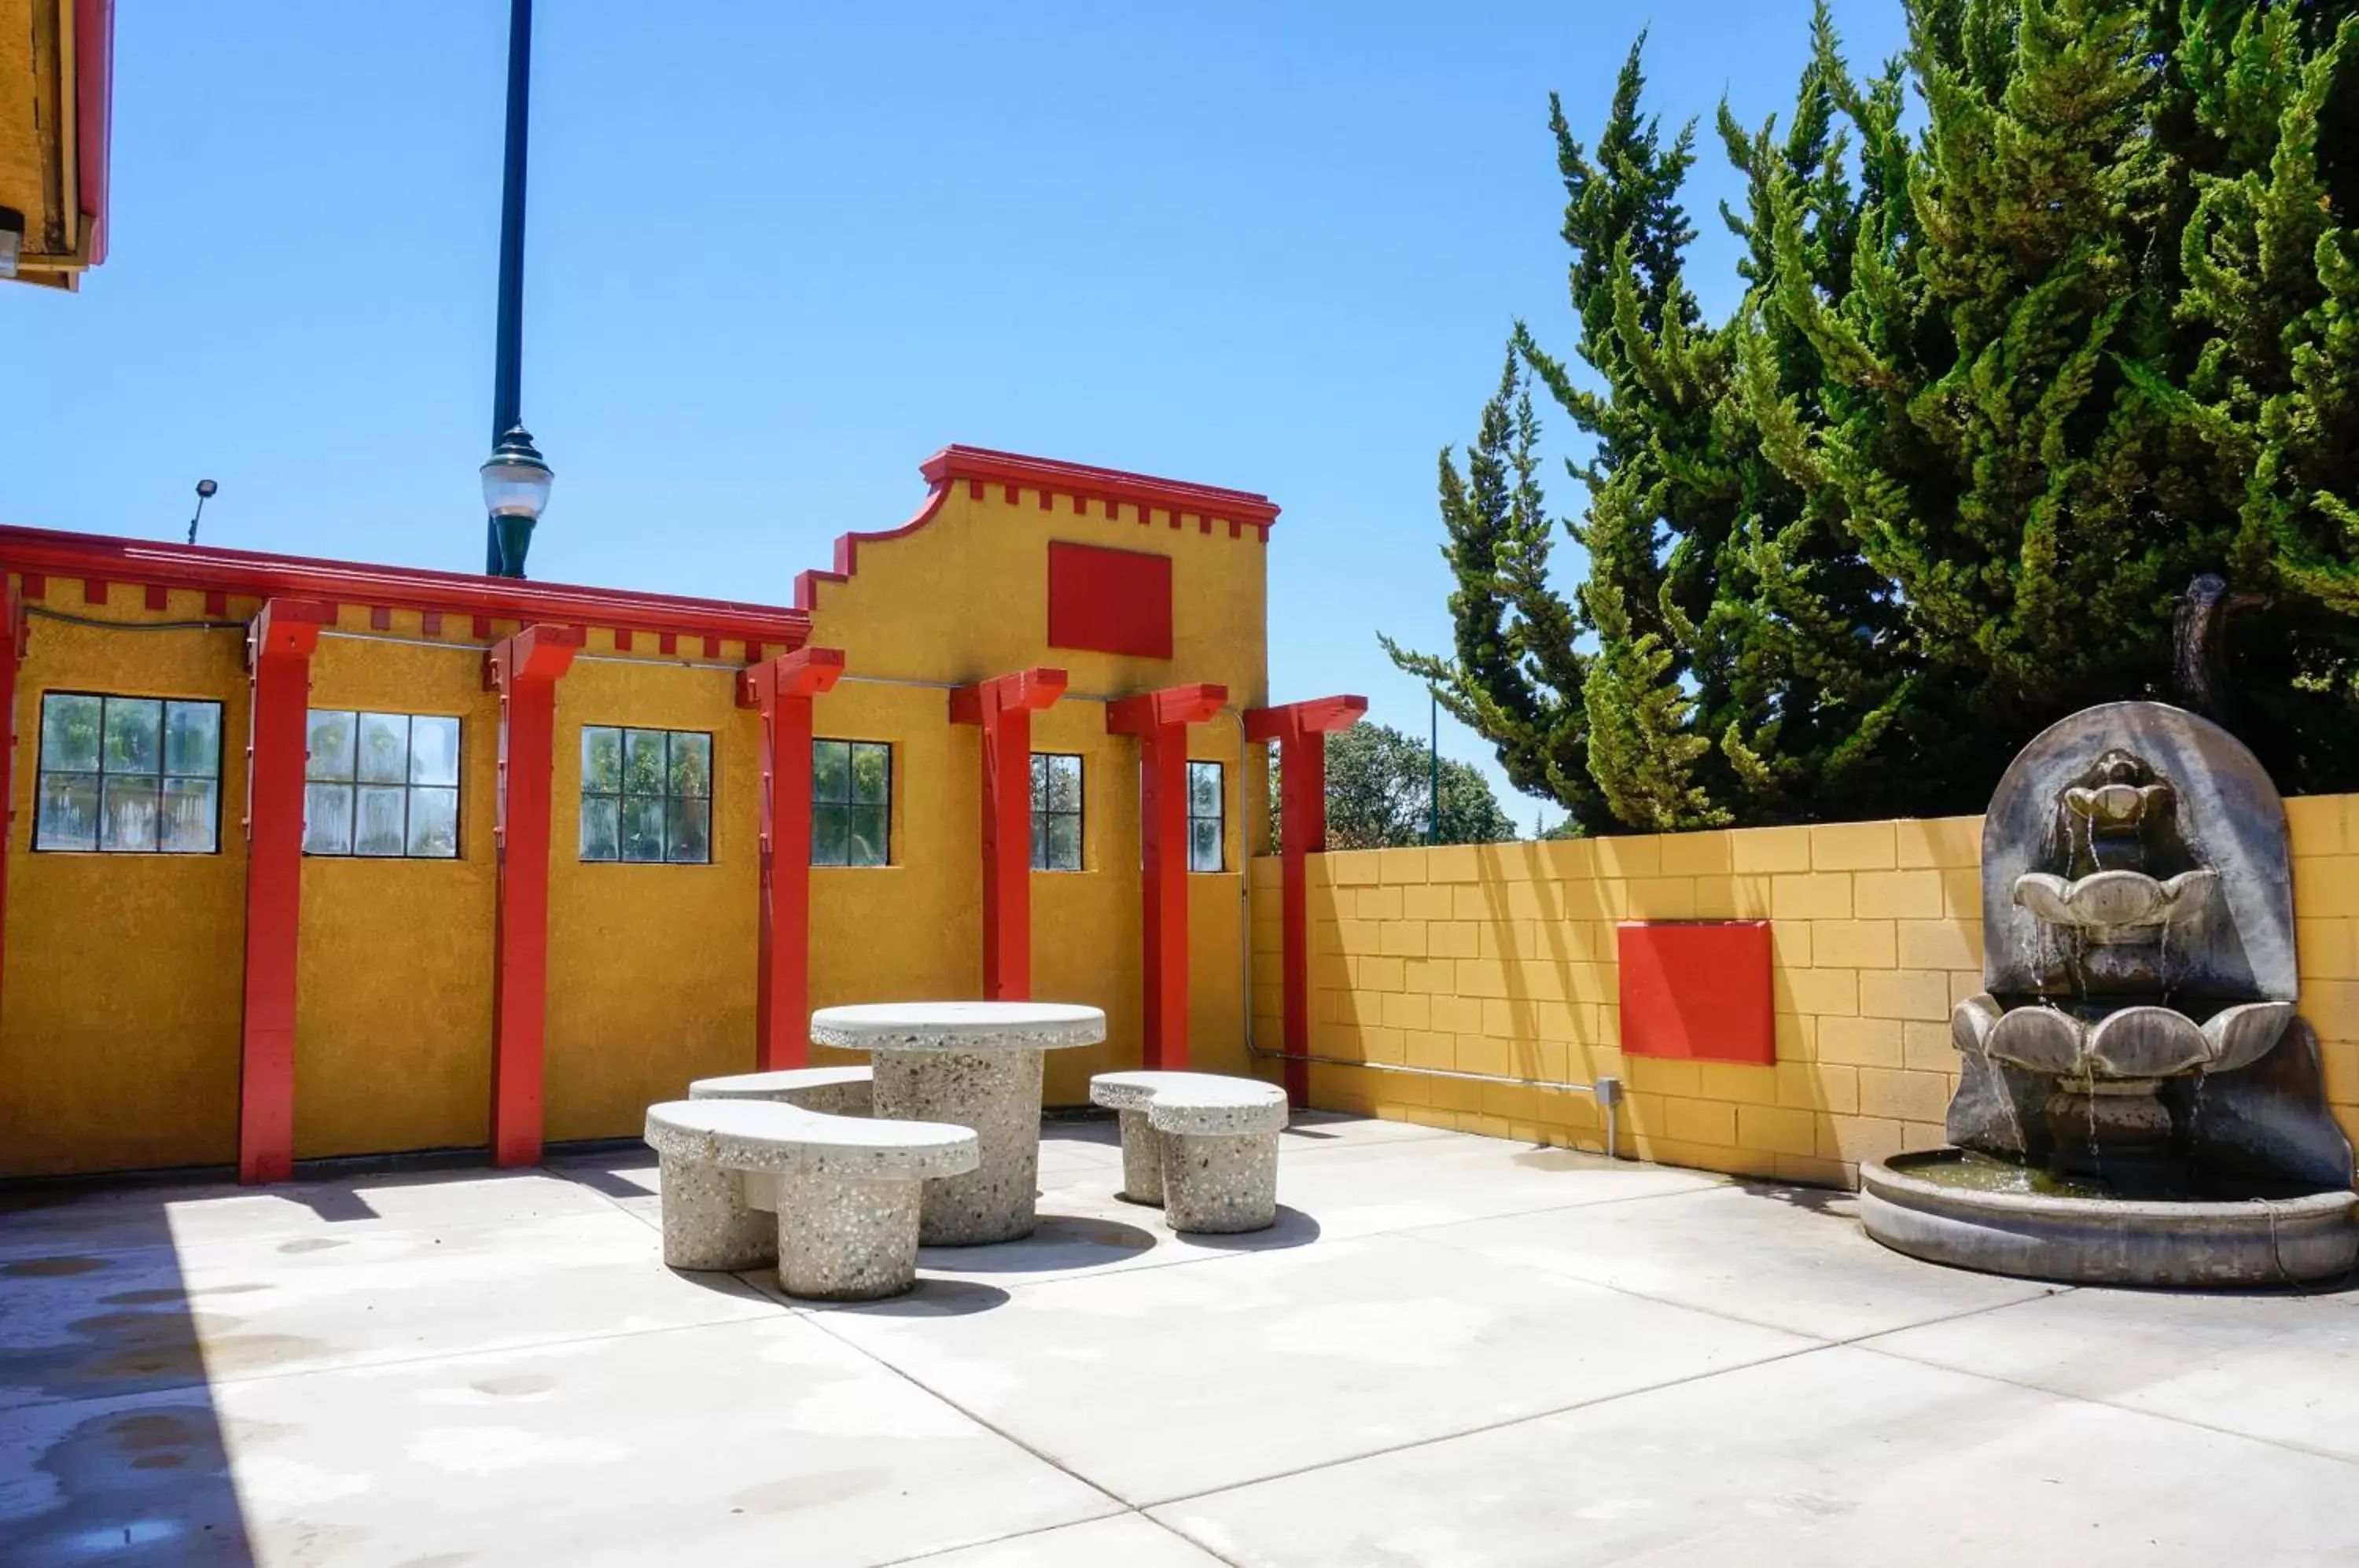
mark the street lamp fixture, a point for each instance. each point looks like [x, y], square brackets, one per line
[515, 491]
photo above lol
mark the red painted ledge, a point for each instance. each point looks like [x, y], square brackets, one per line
[41, 552]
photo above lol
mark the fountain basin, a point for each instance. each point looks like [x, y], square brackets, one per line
[2140, 1042]
[1945, 1206]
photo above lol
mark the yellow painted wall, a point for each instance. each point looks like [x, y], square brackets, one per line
[965, 598]
[121, 1016]
[120, 1005]
[1500, 959]
[650, 967]
[393, 1047]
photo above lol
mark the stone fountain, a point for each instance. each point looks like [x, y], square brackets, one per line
[2138, 1103]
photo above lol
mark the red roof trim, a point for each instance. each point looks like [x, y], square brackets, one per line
[96, 557]
[847, 552]
[1013, 472]
[1082, 482]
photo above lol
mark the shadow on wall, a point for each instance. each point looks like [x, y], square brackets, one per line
[114, 1453]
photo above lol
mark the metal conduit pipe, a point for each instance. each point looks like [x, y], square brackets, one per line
[1606, 1091]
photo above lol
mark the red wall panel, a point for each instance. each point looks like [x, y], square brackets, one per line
[1697, 990]
[1109, 601]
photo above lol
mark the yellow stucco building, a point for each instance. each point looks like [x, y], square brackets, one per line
[310, 859]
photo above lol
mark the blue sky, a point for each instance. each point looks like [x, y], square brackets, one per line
[777, 258]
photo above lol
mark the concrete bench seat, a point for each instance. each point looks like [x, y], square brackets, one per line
[831, 1200]
[837, 1090]
[1203, 1147]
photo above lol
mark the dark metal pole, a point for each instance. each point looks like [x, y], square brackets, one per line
[1433, 765]
[506, 388]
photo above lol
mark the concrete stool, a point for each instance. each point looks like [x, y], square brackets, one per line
[838, 1091]
[831, 1200]
[1202, 1146]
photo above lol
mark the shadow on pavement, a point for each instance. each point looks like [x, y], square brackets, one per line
[113, 1452]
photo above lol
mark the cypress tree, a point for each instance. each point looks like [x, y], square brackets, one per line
[1998, 388]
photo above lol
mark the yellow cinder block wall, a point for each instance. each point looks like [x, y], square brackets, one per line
[1499, 958]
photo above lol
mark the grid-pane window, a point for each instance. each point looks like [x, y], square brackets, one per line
[1206, 792]
[851, 803]
[647, 795]
[1056, 812]
[383, 785]
[137, 774]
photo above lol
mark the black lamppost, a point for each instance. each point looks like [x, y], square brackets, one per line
[516, 480]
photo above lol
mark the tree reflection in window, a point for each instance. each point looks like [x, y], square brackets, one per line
[851, 803]
[128, 774]
[1207, 835]
[384, 785]
[647, 795]
[1056, 812]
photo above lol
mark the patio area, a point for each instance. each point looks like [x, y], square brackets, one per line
[1450, 1350]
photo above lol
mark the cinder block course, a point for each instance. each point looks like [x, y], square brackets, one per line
[1897, 895]
[1940, 944]
[1778, 1131]
[1759, 850]
[1920, 993]
[1810, 896]
[2317, 824]
[1910, 1096]
[1861, 1042]
[1942, 842]
[1823, 992]
[1854, 846]
[1697, 853]
[1854, 944]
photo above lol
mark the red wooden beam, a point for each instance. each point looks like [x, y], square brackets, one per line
[1003, 707]
[1300, 730]
[1161, 721]
[782, 688]
[278, 659]
[523, 669]
[12, 625]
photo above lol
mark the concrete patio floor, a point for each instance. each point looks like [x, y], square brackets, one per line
[1452, 1350]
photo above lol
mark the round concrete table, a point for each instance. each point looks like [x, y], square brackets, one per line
[976, 1065]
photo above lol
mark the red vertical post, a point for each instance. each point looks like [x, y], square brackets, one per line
[12, 612]
[782, 688]
[1300, 730]
[1003, 707]
[279, 661]
[1161, 721]
[523, 669]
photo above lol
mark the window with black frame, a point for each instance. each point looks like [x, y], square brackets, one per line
[382, 785]
[1207, 821]
[1056, 812]
[851, 803]
[128, 774]
[647, 795]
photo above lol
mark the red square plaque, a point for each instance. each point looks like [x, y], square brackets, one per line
[1697, 990]
[1109, 601]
